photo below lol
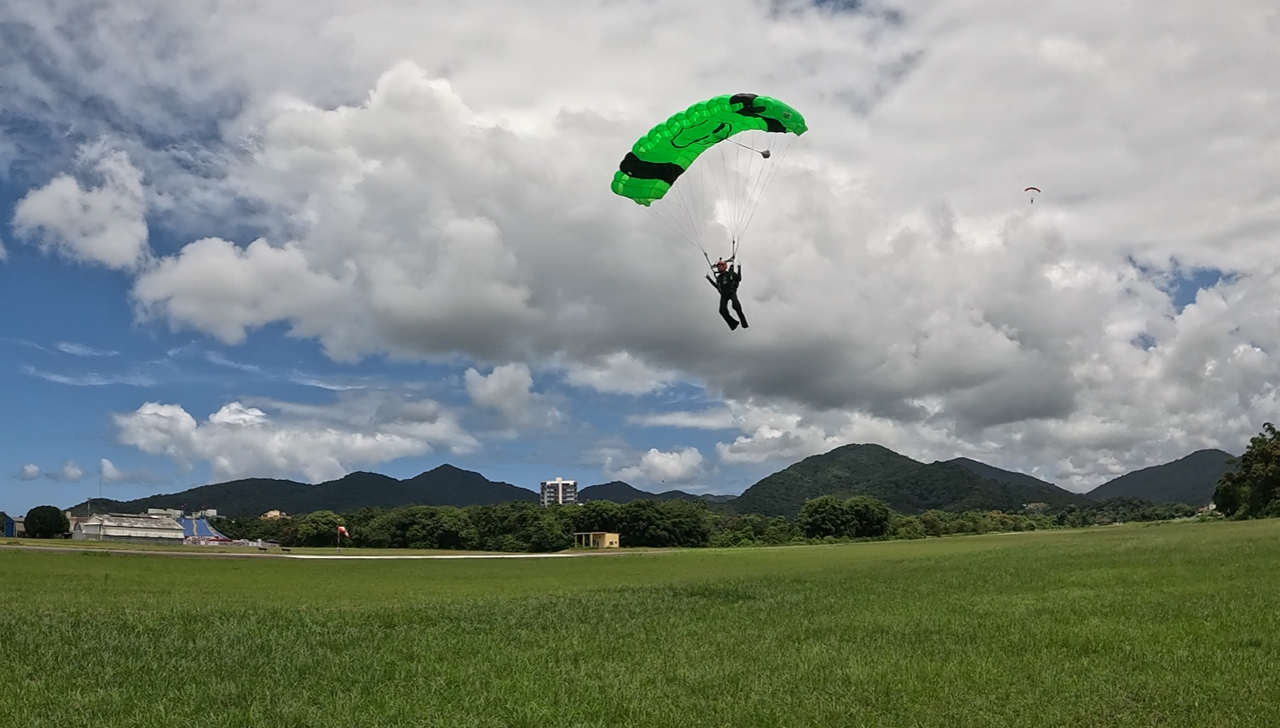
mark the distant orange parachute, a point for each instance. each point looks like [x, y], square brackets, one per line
[1033, 199]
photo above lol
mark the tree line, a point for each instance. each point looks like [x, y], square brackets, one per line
[528, 527]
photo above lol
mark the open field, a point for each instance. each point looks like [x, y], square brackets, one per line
[1171, 625]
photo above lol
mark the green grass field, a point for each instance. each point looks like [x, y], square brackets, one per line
[1170, 625]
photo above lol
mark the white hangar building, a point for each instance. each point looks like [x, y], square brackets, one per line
[152, 528]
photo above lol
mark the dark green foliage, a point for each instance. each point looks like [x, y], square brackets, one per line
[620, 492]
[443, 486]
[1191, 479]
[906, 527]
[857, 517]
[1000, 475]
[1253, 490]
[596, 516]
[417, 527]
[664, 525]
[106, 505]
[319, 529]
[1127, 510]
[677, 523]
[282, 530]
[905, 485]
[753, 529]
[519, 527]
[825, 516]
[46, 522]
[870, 516]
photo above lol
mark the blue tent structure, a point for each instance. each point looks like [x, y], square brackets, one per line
[198, 527]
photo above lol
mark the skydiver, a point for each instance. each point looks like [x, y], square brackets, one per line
[726, 282]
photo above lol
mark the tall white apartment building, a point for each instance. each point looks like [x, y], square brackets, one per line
[559, 491]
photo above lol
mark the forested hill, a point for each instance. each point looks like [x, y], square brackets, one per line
[1003, 476]
[906, 485]
[1189, 480]
[443, 486]
[619, 492]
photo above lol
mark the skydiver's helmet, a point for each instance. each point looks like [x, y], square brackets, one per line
[721, 265]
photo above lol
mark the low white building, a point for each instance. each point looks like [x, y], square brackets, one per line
[129, 528]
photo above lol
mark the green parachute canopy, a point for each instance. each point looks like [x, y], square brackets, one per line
[658, 158]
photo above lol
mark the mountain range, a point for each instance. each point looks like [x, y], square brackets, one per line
[906, 485]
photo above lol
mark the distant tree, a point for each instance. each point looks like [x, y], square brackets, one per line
[934, 522]
[596, 516]
[1256, 484]
[689, 522]
[908, 527]
[870, 516]
[825, 516]
[319, 529]
[46, 522]
[779, 531]
[452, 530]
[643, 523]
[1073, 517]
[550, 532]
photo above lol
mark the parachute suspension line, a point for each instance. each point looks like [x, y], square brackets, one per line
[773, 172]
[688, 205]
[762, 152]
[735, 189]
[677, 214]
[742, 179]
[751, 196]
[745, 198]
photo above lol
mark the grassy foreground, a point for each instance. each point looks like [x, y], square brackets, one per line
[1172, 625]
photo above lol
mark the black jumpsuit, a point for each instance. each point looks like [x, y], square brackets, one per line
[727, 282]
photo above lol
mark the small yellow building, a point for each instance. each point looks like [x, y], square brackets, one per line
[596, 540]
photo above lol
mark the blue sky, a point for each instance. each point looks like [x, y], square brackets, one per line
[74, 355]
[384, 240]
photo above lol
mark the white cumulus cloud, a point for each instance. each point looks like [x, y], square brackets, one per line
[70, 472]
[618, 373]
[284, 439]
[104, 224]
[676, 466]
[508, 391]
